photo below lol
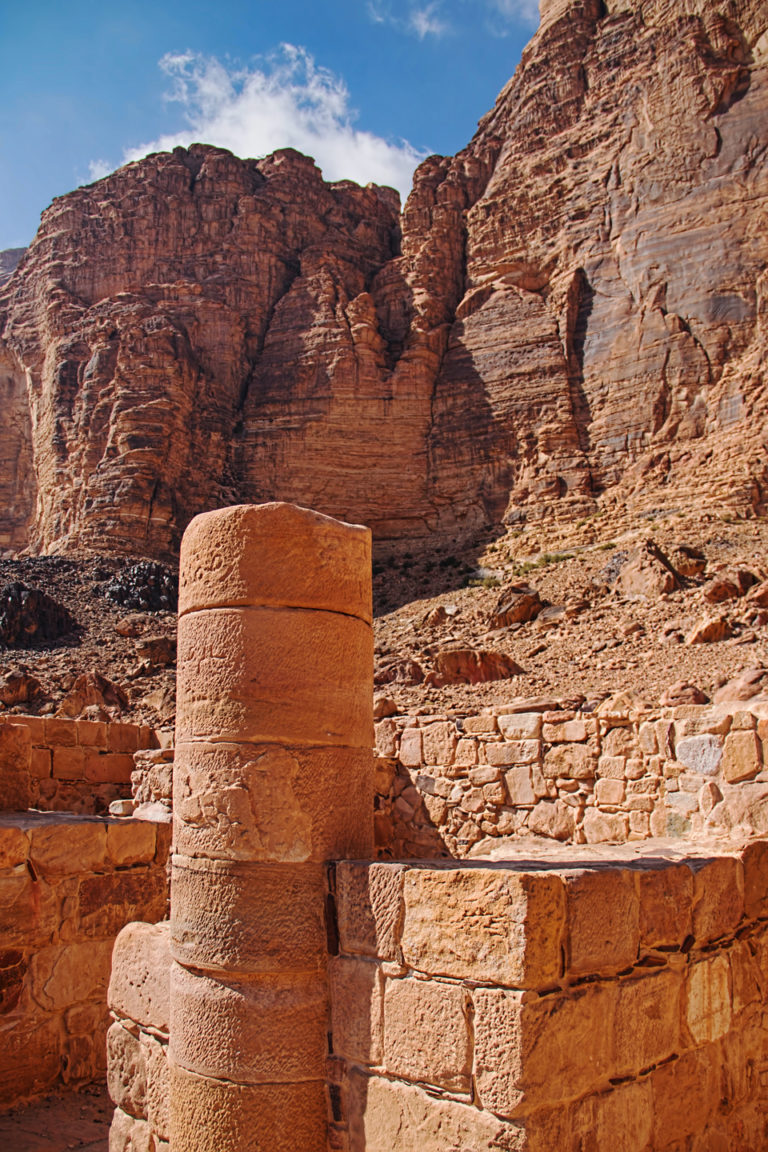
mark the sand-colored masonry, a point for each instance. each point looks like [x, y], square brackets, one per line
[272, 778]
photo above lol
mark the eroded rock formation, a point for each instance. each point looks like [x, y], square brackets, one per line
[569, 313]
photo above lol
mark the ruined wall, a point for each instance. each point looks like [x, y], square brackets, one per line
[64, 765]
[68, 884]
[609, 1004]
[579, 1005]
[137, 1041]
[446, 786]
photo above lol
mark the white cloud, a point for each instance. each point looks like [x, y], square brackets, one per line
[515, 12]
[99, 168]
[289, 102]
[424, 22]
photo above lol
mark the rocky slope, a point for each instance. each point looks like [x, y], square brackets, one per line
[568, 318]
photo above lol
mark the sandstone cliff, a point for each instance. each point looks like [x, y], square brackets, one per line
[569, 314]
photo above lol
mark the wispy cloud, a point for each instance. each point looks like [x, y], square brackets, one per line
[288, 101]
[99, 168]
[508, 13]
[412, 19]
[425, 22]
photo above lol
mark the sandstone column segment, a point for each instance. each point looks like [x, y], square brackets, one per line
[272, 778]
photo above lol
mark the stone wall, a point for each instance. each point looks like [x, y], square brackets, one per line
[582, 1003]
[450, 785]
[137, 1041]
[66, 765]
[68, 884]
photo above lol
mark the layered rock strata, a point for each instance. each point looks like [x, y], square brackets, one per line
[569, 313]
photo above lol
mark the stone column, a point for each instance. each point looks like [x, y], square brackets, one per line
[272, 778]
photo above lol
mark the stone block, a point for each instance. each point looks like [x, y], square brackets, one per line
[701, 754]
[572, 760]
[742, 756]
[291, 556]
[466, 753]
[59, 732]
[487, 924]
[718, 898]
[241, 917]
[126, 1072]
[268, 1030]
[618, 742]
[108, 901]
[608, 791]
[124, 739]
[520, 726]
[138, 986]
[571, 731]
[666, 896]
[210, 1115]
[62, 975]
[647, 1022]
[611, 767]
[754, 861]
[708, 999]
[357, 989]
[746, 976]
[483, 774]
[439, 742]
[129, 1135]
[158, 1084]
[411, 754]
[512, 752]
[386, 1116]
[264, 674]
[131, 842]
[273, 804]
[107, 767]
[29, 912]
[603, 921]
[520, 787]
[69, 763]
[40, 763]
[30, 1057]
[480, 725]
[535, 1054]
[553, 819]
[385, 739]
[646, 738]
[426, 1033]
[14, 844]
[65, 848]
[694, 1078]
[604, 828]
[92, 733]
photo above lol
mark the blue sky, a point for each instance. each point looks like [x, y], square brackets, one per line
[366, 86]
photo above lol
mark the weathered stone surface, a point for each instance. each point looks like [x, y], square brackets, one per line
[426, 1033]
[471, 666]
[391, 1117]
[141, 963]
[603, 921]
[484, 924]
[271, 803]
[222, 653]
[277, 555]
[273, 1030]
[369, 905]
[211, 1115]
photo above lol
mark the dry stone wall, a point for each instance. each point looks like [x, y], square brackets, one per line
[580, 1004]
[68, 884]
[66, 765]
[451, 785]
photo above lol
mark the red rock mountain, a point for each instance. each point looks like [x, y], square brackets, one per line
[569, 314]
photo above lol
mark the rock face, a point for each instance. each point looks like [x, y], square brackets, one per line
[570, 313]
